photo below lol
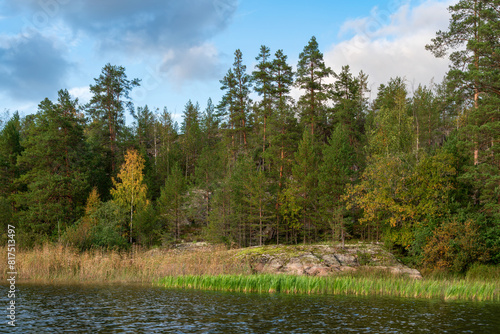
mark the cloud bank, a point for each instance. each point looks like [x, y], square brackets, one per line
[392, 43]
[174, 31]
[31, 66]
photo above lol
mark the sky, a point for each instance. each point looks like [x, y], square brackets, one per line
[180, 49]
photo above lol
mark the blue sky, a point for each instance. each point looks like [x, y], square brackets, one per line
[181, 49]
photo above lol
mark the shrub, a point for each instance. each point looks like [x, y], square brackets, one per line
[455, 245]
[102, 228]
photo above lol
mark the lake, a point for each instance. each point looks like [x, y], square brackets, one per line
[134, 308]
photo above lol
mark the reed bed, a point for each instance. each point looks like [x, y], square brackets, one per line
[58, 263]
[339, 285]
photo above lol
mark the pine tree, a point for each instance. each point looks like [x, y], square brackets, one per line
[349, 102]
[236, 101]
[311, 75]
[473, 36]
[107, 106]
[282, 75]
[263, 85]
[283, 131]
[55, 180]
[10, 150]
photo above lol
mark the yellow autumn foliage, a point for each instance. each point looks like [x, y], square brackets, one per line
[129, 190]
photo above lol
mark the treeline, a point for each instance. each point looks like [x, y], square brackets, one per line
[415, 168]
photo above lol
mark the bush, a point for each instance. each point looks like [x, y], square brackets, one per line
[78, 235]
[103, 228]
[455, 245]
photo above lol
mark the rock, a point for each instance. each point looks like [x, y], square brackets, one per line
[348, 269]
[346, 259]
[322, 260]
[259, 267]
[412, 273]
[310, 259]
[274, 265]
[318, 271]
[331, 261]
[295, 267]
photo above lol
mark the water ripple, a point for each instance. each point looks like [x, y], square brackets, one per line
[145, 309]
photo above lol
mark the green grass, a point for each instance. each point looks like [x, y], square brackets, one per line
[341, 285]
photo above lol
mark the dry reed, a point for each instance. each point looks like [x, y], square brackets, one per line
[57, 263]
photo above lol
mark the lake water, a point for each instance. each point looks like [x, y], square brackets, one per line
[132, 308]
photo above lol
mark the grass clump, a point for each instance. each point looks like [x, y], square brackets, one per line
[338, 285]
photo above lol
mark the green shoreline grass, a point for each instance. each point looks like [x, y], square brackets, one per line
[216, 268]
[339, 285]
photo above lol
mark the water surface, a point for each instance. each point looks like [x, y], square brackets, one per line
[129, 308]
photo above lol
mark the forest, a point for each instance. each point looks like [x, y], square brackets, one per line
[417, 168]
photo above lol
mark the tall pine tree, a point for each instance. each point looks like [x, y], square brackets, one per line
[54, 160]
[107, 107]
[311, 75]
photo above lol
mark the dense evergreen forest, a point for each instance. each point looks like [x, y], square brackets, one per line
[417, 169]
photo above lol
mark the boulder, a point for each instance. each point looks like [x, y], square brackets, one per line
[323, 260]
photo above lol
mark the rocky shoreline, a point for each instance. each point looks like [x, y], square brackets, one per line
[323, 260]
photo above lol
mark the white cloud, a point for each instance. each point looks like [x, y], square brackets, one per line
[195, 63]
[83, 94]
[388, 45]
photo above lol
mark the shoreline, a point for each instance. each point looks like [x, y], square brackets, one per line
[234, 270]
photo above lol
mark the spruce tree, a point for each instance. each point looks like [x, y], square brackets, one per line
[209, 124]
[349, 110]
[336, 171]
[169, 149]
[145, 131]
[305, 179]
[171, 201]
[191, 137]
[258, 199]
[392, 131]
